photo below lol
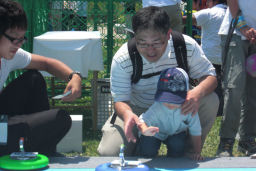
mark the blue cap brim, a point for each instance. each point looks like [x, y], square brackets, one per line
[178, 98]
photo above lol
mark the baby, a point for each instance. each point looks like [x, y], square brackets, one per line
[163, 121]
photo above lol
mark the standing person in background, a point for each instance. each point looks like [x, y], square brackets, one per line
[239, 87]
[173, 9]
[25, 100]
[209, 20]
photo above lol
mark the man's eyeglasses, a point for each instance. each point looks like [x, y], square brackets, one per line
[14, 40]
[154, 45]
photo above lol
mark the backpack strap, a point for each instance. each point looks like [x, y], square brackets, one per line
[181, 53]
[137, 64]
[151, 75]
[180, 50]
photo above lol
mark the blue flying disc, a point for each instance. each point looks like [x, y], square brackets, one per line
[107, 167]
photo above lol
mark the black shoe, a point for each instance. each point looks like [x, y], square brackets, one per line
[248, 147]
[225, 147]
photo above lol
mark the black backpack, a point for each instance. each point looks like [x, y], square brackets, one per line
[137, 64]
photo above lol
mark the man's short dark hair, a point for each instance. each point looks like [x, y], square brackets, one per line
[12, 16]
[151, 18]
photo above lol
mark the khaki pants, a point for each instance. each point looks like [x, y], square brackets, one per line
[113, 135]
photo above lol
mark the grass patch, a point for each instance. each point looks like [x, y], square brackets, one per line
[212, 140]
[90, 147]
[91, 142]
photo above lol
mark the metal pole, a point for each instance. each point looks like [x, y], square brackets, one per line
[189, 18]
[110, 36]
[96, 16]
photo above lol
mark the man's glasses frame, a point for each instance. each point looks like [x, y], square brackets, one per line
[154, 45]
[15, 40]
[157, 45]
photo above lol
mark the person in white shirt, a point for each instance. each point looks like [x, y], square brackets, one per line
[154, 43]
[238, 85]
[210, 20]
[173, 9]
[25, 99]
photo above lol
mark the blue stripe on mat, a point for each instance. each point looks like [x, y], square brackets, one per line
[160, 169]
[71, 169]
[207, 169]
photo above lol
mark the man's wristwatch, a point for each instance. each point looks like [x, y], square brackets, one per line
[74, 72]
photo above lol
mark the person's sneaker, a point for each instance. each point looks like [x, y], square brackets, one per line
[248, 147]
[225, 147]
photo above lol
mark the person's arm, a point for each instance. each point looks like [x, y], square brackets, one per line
[60, 70]
[142, 127]
[121, 91]
[233, 7]
[147, 130]
[247, 31]
[206, 86]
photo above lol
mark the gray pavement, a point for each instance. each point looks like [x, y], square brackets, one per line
[160, 162]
